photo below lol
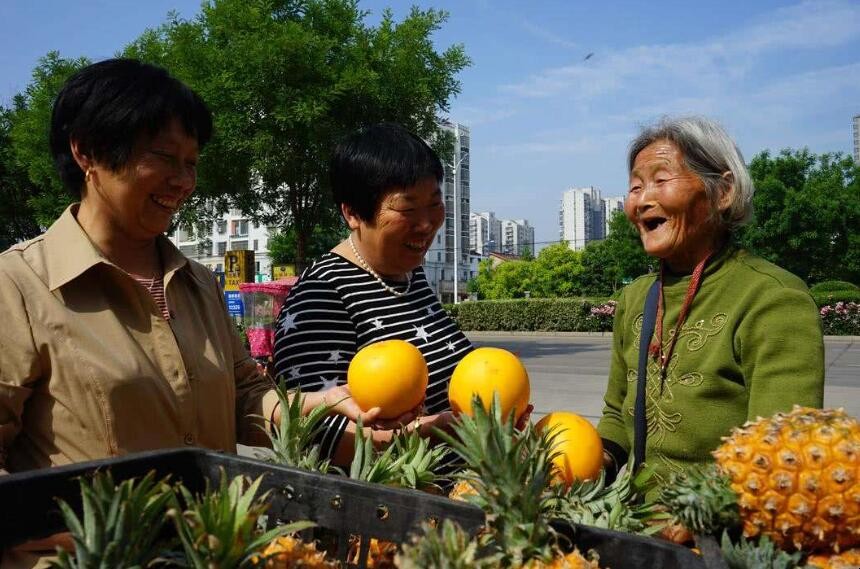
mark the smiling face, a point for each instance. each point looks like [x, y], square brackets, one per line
[668, 204]
[141, 198]
[402, 230]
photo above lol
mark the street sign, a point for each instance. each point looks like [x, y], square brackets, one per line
[283, 271]
[234, 302]
[238, 268]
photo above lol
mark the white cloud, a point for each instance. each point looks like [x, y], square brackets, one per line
[702, 66]
[548, 36]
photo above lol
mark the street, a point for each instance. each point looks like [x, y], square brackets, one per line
[570, 372]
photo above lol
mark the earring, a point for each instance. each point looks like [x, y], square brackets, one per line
[88, 175]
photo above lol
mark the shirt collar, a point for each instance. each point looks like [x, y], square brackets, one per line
[70, 253]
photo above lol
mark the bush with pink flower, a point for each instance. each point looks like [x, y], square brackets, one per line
[841, 318]
[601, 316]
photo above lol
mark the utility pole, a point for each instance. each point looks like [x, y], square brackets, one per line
[458, 159]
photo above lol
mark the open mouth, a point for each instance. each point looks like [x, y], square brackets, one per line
[417, 246]
[654, 222]
[169, 204]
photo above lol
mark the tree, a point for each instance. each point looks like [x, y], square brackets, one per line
[17, 219]
[285, 80]
[30, 123]
[282, 245]
[806, 214]
[610, 264]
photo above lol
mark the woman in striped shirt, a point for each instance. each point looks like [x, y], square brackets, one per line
[371, 287]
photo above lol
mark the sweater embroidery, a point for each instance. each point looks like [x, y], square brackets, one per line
[661, 418]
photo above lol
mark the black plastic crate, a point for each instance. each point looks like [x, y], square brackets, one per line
[620, 550]
[344, 507]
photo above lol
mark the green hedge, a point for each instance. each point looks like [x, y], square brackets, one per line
[833, 286]
[530, 315]
[825, 298]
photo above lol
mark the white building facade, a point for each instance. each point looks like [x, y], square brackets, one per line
[485, 232]
[439, 262]
[584, 216]
[517, 237]
[230, 232]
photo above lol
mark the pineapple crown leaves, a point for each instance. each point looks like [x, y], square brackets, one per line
[293, 438]
[220, 527]
[617, 506]
[761, 554]
[370, 465]
[120, 524]
[444, 547]
[415, 460]
[510, 472]
[702, 500]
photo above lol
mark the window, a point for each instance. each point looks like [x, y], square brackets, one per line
[239, 245]
[222, 226]
[222, 247]
[256, 244]
[257, 264]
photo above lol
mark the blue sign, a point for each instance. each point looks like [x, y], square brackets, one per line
[233, 298]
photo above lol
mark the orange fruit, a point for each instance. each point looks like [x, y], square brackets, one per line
[579, 445]
[391, 375]
[486, 371]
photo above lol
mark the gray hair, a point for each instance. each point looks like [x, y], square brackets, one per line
[709, 152]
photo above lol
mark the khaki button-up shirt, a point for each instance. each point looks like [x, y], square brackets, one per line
[90, 369]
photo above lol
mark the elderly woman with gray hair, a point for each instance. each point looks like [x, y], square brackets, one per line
[718, 336]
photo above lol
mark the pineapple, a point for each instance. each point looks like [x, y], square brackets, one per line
[797, 477]
[615, 507]
[846, 560]
[293, 439]
[794, 478]
[757, 555]
[220, 527]
[120, 524]
[510, 471]
[415, 461]
[443, 547]
[286, 552]
[461, 491]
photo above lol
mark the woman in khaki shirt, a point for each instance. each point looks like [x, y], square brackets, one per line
[112, 341]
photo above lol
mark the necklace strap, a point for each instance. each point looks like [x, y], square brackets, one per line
[656, 348]
[366, 266]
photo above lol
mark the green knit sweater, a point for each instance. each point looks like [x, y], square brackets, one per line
[751, 346]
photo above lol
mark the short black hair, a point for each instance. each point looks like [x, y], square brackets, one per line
[369, 162]
[107, 106]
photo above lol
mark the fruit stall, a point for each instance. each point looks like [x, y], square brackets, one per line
[782, 492]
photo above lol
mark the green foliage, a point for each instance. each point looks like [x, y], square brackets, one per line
[610, 264]
[533, 315]
[219, 527]
[17, 218]
[293, 438]
[284, 245]
[120, 524]
[807, 211]
[602, 268]
[760, 554]
[286, 80]
[833, 286]
[823, 299]
[702, 500]
[30, 130]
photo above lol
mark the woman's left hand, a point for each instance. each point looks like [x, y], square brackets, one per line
[341, 402]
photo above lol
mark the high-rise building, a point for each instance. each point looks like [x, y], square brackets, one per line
[517, 236]
[857, 138]
[610, 206]
[485, 232]
[439, 261]
[577, 216]
[584, 216]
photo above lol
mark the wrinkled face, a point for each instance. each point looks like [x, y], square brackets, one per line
[141, 198]
[402, 229]
[668, 204]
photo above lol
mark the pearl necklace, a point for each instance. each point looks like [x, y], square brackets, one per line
[366, 266]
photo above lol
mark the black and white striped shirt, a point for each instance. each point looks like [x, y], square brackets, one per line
[337, 308]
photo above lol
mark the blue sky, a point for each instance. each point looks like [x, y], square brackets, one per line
[776, 74]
